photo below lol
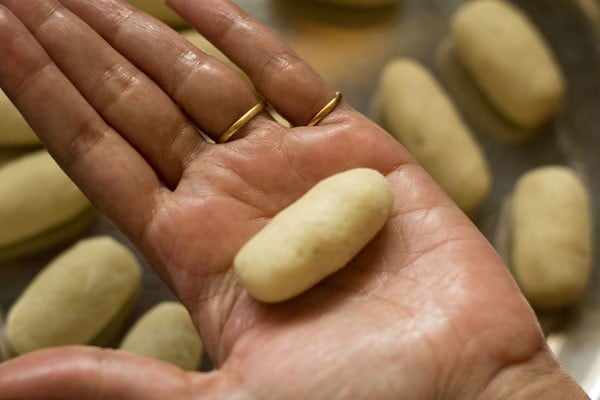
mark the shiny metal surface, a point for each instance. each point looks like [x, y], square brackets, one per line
[350, 47]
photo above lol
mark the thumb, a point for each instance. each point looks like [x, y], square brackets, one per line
[78, 372]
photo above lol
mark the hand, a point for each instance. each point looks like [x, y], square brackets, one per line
[426, 311]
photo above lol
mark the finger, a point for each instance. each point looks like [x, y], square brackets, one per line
[210, 92]
[294, 88]
[124, 96]
[92, 373]
[111, 173]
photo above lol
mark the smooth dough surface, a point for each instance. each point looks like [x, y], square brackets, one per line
[75, 297]
[510, 61]
[14, 130]
[166, 332]
[416, 111]
[159, 10]
[35, 196]
[314, 236]
[551, 236]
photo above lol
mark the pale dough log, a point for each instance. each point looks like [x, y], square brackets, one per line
[14, 130]
[551, 236]
[75, 297]
[166, 332]
[416, 111]
[509, 60]
[314, 236]
[36, 196]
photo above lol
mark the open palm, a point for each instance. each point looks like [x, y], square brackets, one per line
[426, 311]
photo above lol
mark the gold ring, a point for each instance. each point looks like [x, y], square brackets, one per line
[244, 119]
[329, 107]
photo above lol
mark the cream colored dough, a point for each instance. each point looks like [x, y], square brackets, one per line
[166, 332]
[551, 236]
[315, 236]
[14, 130]
[159, 10]
[75, 297]
[509, 60]
[416, 111]
[36, 196]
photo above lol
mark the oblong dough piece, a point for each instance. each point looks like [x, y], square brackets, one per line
[159, 10]
[75, 297]
[166, 332]
[416, 111]
[551, 236]
[36, 196]
[314, 236]
[509, 60]
[14, 130]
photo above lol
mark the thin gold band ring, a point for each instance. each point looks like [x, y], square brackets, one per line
[244, 119]
[328, 108]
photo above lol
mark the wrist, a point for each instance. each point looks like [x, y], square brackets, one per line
[541, 377]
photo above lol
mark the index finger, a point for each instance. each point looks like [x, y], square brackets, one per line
[109, 171]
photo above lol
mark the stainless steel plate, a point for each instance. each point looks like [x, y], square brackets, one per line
[350, 47]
